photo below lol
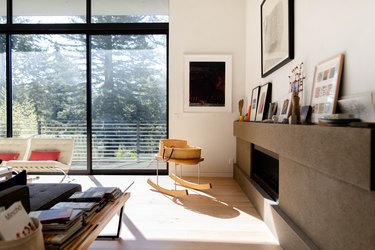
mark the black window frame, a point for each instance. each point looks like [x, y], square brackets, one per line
[88, 29]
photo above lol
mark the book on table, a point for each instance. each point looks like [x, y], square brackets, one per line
[110, 193]
[76, 217]
[86, 197]
[61, 237]
[85, 206]
[52, 215]
[88, 208]
[96, 194]
[58, 234]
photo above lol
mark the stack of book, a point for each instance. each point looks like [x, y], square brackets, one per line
[110, 193]
[62, 223]
[101, 195]
[60, 226]
[88, 208]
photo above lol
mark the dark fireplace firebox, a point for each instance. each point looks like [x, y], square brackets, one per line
[265, 170]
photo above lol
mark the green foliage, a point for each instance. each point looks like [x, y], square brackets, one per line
[24, 115]
[128, 76]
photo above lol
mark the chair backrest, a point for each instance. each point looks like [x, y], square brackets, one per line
[64, 145]
[171, 143]
[15, 145]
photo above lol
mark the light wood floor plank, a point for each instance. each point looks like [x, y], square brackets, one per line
[219, 218]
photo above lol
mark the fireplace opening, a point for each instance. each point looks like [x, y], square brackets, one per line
[265, 170]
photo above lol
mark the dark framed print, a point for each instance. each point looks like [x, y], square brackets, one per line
[254, 103]
[264, 100]
[277, 34]
[208, 83]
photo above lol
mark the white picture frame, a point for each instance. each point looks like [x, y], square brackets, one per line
[284, 107]
[208, 83]
[326, 86]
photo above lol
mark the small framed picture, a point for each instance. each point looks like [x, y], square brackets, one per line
[254, 103]
[263, 103]
[326, 86]
[284, 109]
[272, 110]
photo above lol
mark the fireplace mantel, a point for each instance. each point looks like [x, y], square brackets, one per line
[326, 196]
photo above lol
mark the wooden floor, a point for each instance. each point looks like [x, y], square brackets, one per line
[221, 218]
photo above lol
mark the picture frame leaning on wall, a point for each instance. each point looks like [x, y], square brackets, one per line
[254, 103]
[326, 87]
[264, 101]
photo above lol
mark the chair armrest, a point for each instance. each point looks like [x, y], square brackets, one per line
[13, 194]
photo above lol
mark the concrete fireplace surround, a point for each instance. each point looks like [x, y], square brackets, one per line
[326, 183]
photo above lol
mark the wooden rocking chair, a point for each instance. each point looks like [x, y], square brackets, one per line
[179, 153]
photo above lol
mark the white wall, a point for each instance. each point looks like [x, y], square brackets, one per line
[206, 27]
[322, 29]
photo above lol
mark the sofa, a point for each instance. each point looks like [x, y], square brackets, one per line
[38, 196]
[37, 154]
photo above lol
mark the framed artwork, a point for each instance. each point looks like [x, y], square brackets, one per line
[272, 110]
[208, 83]
[284, 109]
[277, 34]
[326, 86]
[263, 103]
[254, 103]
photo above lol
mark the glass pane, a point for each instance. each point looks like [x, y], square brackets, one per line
[3, 11]
[129, 11]
[49, 11]
[2, 87]
[129, 100]
[49, 89]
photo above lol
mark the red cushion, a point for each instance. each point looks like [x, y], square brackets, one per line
[44, 156]
[9, 156]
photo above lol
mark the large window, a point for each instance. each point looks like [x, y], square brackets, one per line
[128, 98]
[49, 88]
[103, 85]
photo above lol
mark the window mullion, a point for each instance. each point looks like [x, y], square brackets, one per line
[9, 85]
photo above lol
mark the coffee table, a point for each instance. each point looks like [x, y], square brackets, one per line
[93, 228]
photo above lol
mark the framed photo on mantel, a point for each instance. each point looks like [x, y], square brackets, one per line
[254, 103]
[326, 86]
[264, 101]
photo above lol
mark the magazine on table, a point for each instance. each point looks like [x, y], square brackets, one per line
[85, 206]
[110, 193]
[61, 236]
[76, 217]
[96, 194]
[52, 215]
[51, 246]
[86, 197]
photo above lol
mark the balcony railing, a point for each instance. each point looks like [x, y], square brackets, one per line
[114, 144]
